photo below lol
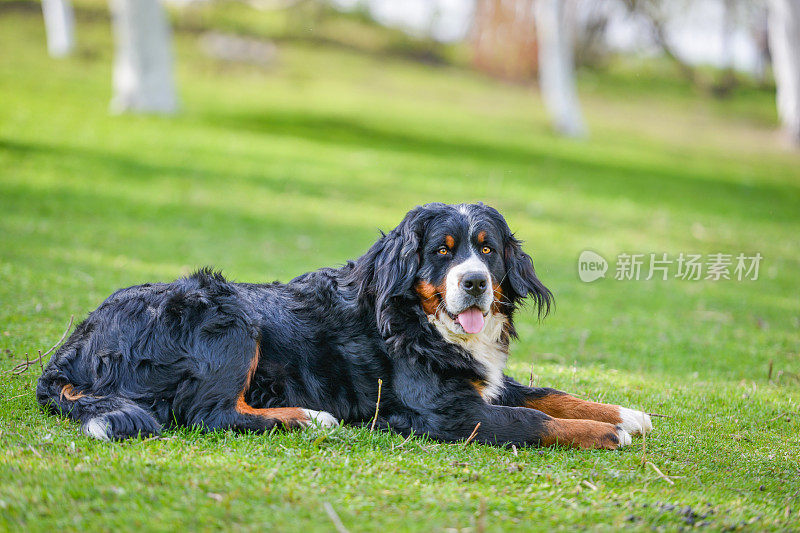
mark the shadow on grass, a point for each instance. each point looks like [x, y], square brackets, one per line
[649, 184]
[638, 181]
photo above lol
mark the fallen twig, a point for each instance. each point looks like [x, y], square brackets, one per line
[472, 435]
[377, 405]
[22, 367]
[660, 473]
[785, 413]
[588, 484]
[644, 443]
[15, 397]
[659, 416]
[337, 522]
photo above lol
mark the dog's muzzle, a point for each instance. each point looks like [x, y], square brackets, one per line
[471, 300]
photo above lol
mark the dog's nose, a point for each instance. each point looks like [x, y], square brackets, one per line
[474, 283]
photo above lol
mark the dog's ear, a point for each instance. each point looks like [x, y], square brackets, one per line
[521, 280]
[388, 270]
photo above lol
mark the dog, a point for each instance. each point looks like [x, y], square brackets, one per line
[427, 310]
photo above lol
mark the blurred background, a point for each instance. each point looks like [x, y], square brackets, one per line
[140, 140]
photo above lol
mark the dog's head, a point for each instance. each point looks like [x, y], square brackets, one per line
[458, 263]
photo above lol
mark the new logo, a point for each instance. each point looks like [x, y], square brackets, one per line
[591, 266]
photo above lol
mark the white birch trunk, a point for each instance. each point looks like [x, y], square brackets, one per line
[556, 69]
[784, 42]
[59, 25]
[143, 78]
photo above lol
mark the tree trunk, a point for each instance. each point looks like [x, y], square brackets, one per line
[784, 42]
[759, 32]
[59, 25]
[556, 70]
[143, 79]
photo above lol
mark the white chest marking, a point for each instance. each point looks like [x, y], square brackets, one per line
[485, 347]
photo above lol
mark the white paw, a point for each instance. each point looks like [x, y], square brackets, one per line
[97, 428]
[321, 418]
[624, 437]
[634, 422]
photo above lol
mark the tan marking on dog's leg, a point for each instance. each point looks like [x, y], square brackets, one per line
[584, 434]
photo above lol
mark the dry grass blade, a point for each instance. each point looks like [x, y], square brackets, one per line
[337, 522]
[377, 405]
[404, 442]
[37, 454]
[22, 367]
[480, 523]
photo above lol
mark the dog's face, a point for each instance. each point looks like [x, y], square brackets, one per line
[460, 263]
[462, 268]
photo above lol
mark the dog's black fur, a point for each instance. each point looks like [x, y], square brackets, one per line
[166, 354]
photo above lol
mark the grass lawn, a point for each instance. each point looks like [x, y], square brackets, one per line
[271, 172]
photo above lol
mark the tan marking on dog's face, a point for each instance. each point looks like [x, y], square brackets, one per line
[430, 296]
[499, 297]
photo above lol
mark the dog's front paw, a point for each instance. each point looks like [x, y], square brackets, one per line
[634, 422]
[321, 418]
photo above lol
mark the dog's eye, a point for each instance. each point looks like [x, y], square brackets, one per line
[444, 250]
[486, 250]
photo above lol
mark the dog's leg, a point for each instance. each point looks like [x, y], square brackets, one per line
[453, 410]
[564, 406]
[217, 399]
[500, 425]
[287, 416]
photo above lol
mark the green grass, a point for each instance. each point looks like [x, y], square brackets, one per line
[268, 173]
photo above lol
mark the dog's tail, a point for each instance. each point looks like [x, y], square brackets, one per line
[102, 417]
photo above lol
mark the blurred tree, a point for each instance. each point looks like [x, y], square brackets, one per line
[784, 41]
[503, 38]
[556, 70]
[726, 83]
[656, 14]
[143, 78]
[59, 24]
[591, 25]
[758, 26]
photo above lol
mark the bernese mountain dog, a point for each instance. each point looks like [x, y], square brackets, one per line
[428, 311]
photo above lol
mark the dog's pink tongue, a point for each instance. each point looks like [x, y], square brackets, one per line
[471, 320]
